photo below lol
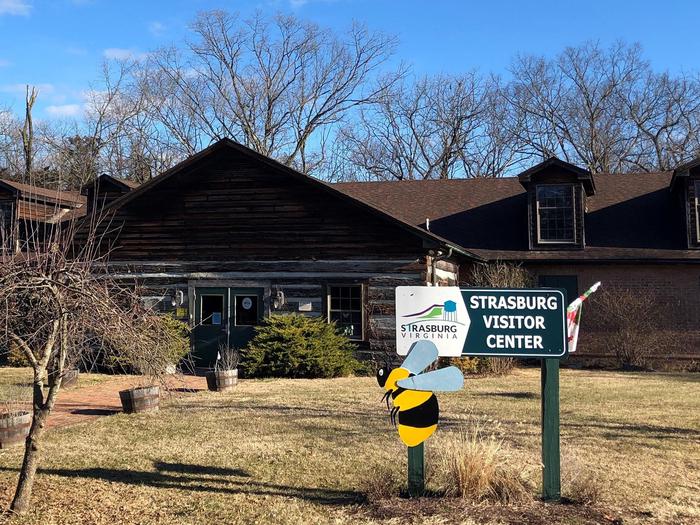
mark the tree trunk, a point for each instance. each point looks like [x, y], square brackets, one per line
[42, 409]
[23, 494]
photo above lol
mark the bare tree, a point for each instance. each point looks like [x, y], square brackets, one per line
[493, 149]
[58, 303]
[276, 85]
[28, 133]
[11, 161]
[631, 326]
[572, 105]
[438, 127]
[666, 113]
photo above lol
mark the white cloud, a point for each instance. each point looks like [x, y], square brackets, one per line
[21, 88]
[65, 110]
[298, 4]
[15, 7]
[119, 53]
[156, 28]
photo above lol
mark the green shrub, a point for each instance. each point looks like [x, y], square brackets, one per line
[468, 365]
[177, 335]
[298, 346]
[498, 366]
[16, 357]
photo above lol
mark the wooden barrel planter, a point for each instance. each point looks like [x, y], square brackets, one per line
[70, 377]
[14, 428]
[135, 400]
[222, 380]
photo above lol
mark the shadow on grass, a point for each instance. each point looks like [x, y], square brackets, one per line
[512, 395]
[95, 411]
[284, 410]
[208, 479]
[205, 470]
[621, 430]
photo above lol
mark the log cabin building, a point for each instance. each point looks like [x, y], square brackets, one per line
[28, 212]
[230, 236]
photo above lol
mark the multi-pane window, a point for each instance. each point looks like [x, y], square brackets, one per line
[697, 210]
[555, 213]
[345, 308]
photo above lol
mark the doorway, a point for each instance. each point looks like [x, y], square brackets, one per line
[224, 316]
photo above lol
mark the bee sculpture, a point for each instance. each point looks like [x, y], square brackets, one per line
[411, 392]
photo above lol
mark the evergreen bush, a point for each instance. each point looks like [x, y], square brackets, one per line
[295, 346]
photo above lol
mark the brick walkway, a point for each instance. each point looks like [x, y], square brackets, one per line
[102, 399]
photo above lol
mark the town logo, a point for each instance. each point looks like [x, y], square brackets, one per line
[435, 314]
[447, 311]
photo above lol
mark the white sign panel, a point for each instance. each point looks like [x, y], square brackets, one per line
[435, 314]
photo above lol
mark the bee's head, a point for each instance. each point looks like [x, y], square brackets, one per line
[382, 375]
[387, 377]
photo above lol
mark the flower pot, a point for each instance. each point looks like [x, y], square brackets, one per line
[14, 428]
[144, 399]
[222, 380]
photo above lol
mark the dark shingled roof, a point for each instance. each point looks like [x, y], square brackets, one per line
[631, 216]
[71, 198]
[42, 204]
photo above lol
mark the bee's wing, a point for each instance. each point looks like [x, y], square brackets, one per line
[448, 379]
[420, 356]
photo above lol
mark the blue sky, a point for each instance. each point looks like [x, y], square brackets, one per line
[59, 44]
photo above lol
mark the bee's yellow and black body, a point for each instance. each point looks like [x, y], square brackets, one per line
[411, 392]
[418, 411]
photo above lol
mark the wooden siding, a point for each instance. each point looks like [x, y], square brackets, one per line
[228, 207]
[301, 282]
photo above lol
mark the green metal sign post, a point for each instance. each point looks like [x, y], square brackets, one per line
[416, 471]
[551, 480]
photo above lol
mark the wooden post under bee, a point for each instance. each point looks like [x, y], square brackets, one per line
[416, 471]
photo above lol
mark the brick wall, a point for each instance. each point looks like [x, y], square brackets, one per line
[675, 287]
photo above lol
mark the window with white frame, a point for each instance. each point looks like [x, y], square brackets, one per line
[556, 218]
[345, 309]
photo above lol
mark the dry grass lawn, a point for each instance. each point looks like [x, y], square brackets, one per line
[302, 451]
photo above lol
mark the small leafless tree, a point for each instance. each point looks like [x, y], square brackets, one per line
[58, 303]
[631, 326]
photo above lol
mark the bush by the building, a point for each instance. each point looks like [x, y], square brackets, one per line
[295, 346]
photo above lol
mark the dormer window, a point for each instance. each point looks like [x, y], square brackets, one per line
[556, 204]
[556, 216]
